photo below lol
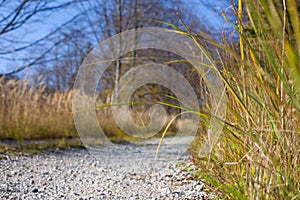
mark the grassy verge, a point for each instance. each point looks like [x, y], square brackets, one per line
[34, 146]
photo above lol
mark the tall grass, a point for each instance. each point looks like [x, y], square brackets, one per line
[257, 155]
[29, 112]
[34, 112]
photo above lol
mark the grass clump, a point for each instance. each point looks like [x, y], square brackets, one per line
[257, 155]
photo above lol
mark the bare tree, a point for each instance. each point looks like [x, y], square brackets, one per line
[58, 54]
[15, 16]
[113, 17]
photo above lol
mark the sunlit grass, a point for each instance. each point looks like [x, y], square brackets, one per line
[257, 156]
[29, 112]
[32, 112]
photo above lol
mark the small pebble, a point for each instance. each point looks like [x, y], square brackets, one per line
[35, 190]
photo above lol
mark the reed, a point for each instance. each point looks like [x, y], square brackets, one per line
[257, 155]
[36, 112]
[33, 112]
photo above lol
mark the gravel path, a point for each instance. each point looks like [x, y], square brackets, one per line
[124, 171]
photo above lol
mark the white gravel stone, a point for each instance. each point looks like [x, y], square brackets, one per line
[125, 173]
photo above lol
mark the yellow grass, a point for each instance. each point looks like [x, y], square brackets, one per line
[32, 112]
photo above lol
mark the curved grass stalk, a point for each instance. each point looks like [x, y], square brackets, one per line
[202, 115]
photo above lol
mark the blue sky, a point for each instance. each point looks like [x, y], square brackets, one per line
[48, 22]
[38, 27]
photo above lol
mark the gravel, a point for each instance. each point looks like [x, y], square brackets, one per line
[123, 171]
